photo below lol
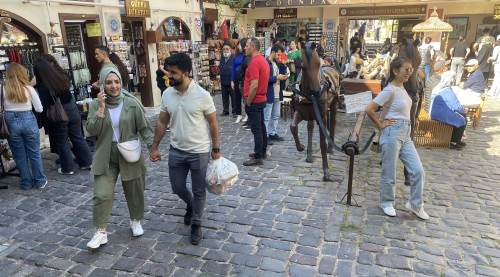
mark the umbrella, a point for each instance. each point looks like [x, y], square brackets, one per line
[433, 24]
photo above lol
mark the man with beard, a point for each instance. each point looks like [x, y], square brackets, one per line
[194, 134]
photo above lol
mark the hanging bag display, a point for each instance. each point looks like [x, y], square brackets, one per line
[56, 112]
[4, 130]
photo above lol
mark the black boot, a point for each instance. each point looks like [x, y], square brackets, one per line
[196, 234]
[188, 215]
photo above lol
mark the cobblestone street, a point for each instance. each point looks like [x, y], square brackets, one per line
[278, 219]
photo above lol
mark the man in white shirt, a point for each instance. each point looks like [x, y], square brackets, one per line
[194, 130]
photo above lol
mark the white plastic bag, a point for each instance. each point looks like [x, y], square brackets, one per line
[221, 175]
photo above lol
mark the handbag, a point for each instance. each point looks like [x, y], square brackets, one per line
[4, 130]
[130, 150]
[56, 112]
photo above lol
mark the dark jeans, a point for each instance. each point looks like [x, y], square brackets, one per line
[60, 132]
[236, 99]
[255, 114]
[180, 163]
[227, 94]
[458, 133]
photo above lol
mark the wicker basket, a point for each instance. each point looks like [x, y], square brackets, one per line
[431, 133]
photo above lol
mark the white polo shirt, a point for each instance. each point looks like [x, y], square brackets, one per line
[189, 130]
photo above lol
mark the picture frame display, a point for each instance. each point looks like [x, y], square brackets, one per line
[460, 25]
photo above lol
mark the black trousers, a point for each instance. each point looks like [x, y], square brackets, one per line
[227, 93]
[236, 99]
[255, 114]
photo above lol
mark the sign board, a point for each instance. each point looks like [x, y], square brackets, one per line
[289, 3]
[285, 13]
[93, 29]
[356, 103]
[387, 10]
[496, 13]
[113, 24]
[137, 8]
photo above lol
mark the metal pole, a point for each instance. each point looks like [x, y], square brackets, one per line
[349, 183]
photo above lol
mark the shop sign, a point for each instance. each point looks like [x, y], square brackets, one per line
[496, 14]
[388, 10]
[137, 8]
[93, 29]
[290, 3]
[285, 13]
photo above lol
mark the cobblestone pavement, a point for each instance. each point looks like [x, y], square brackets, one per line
[278, 220]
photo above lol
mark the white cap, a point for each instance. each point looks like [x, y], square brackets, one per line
[498, 37]
[472, 62]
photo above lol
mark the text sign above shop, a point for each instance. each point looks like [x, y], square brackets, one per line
[137, 8]
[290, 3]
[388, 10]
[285, 13]
[497, 12]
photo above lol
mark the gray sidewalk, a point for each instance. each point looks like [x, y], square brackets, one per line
[278, 220]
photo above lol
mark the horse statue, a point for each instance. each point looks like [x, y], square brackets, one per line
[317, 100]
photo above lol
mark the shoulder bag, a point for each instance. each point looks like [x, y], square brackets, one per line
[129, 150]
[56, 112]
[4, 130]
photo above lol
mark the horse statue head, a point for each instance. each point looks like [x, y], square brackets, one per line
[310, 82]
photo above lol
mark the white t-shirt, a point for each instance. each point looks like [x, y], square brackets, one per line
[189, 130]
[33, 101]
[114, 114]
[401, 102]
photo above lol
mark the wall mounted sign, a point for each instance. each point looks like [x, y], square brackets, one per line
[137, 8]
[387, 10]
[290, 3]
[93, 29]
[285, 13]
[113, 24]
[496, 13]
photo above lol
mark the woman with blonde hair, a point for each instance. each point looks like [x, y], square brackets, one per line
[18, 97]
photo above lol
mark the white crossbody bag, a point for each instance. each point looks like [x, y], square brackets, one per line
[130, 150]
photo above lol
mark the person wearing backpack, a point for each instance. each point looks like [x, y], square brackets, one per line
[395, 140]
[18, 99]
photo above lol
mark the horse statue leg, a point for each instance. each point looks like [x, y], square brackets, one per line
[295, 131]
[323, 146]
[310, 129]
[332, 122]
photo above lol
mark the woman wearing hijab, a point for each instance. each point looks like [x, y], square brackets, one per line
[114, 117]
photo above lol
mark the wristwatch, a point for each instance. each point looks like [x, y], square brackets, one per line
[216, 150]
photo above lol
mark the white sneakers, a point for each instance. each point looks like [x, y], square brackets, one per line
[245, 118]
[238, 119]
[136, 227]
[420, 213]
[100, 237]
[389, 210]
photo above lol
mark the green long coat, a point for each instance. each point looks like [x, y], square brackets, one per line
[132, 124]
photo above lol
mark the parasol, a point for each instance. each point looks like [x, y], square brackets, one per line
[434, 24]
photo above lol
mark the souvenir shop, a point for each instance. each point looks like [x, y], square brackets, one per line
[132, 50]
[20, 42]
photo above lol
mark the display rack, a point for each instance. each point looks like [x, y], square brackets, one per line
[201, 64]
[77, 69]
[121, 49]
[22, 53]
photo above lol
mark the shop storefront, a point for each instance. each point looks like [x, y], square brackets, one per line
[20, 42]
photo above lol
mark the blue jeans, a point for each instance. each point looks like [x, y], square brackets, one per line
[24, 141]
[396, 143]
[427, 71]
[60, 132]
[271, 117]
[180, 163]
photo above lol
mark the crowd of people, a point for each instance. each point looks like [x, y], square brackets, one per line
[249, 79]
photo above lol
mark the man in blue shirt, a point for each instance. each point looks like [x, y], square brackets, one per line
[475, 82]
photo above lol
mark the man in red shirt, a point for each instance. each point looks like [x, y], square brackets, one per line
[255, 95]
